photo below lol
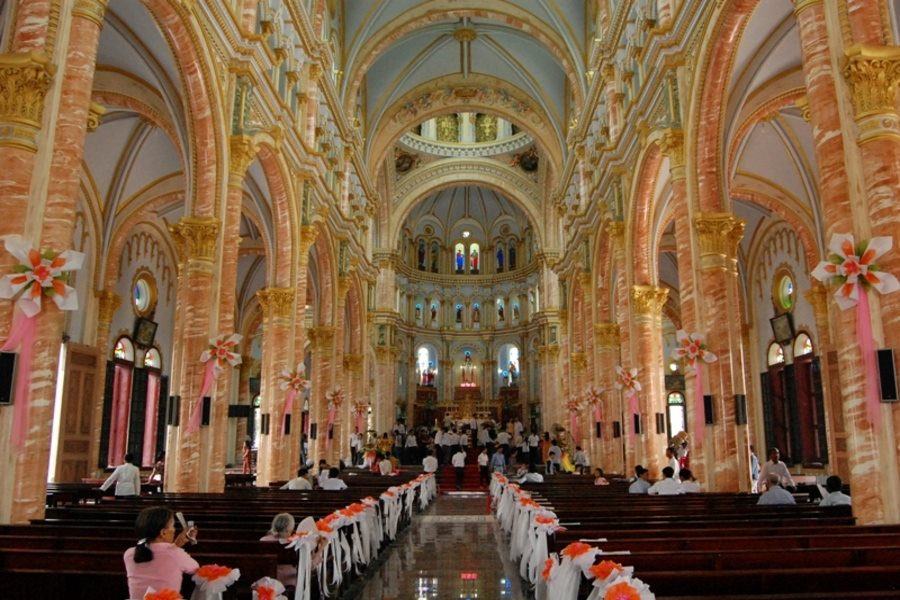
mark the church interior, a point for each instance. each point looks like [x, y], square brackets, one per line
[621, 222]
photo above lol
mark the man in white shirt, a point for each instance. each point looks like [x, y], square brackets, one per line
[777, 467]
[300, 482]
[324, 472]
[775, 494]
[835, 496]
[333, 483]
[459, 465]
[430, 463]
[463, 440]
[355, 447]
[554, 458]
[484, 473]
[672, 461]
[534, 450]
[127, 478]
[640, 485]
[668, 486]
[385, 467]
[411, 448]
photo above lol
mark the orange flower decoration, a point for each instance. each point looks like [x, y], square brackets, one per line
[576, 549]
[548, 568]
[622, 591]
[322, 525]
[213, 572]
[605, 568]
[164, 594]
[265, 593]
[544, 520]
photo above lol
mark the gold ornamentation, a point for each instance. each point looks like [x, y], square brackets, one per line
[109, 302]
[353, 362]
[873, 73]
[277, 303]
[195, 240]
[321, 338]
[315, 71]
[24, 81]
[464, 34]
[801, 5]
[718, 235]
[579, 360]
[648, 300]
[817, 296]
[608, 335]
[95, 112]
[671, 144]
[92, 10]
[243, 153]
[803, 104]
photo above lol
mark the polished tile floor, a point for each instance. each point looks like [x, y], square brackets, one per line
[452, 550]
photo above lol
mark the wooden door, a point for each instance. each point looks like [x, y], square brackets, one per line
[78, 399]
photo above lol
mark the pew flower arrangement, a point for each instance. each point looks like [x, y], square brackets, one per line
[268, 589]
[163, 594]
[294, 383]
[39, 274]
[853, 269]
[212, 580]
[691, 349]
[221, 352]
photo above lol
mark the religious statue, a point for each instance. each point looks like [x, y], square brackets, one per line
[474, 259]
[515, 312]
[434, 258]
[421, 256]
[476, 314]
[467, 369]
[513, 374]
[499, 312]
[418, 312]
[433, 313]
[500, 259]
[460, 260]
[459, 314]
[512, 257]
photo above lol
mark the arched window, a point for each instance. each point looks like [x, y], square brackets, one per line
[474, 258]
[152, 359]
[117, 401]
[420, 256]
[512, 255]
[802, 345]
[425, 360]
[676, 413]
[435, 256]
[459, 258]
[775, 355]
[124, 350]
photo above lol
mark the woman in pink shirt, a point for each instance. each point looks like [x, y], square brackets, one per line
[157, 560]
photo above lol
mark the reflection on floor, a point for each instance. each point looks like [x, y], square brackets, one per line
[452, 550]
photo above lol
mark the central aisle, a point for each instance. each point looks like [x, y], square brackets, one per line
[452, 550]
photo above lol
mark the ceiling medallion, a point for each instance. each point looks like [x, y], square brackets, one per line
[464, 34]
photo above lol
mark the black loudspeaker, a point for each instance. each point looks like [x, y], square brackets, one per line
[740, 409]
[287, 424]
[7, 376]
[173, 411]
[264, 424]
[617, 429]
[708, 410]
[660, 423]
[887, 378]
[313, 430]
[207, 408]
[237, 411]
[637, 424]
[598, 429]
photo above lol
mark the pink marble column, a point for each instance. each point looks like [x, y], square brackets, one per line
[646, 312]
[322, 339]
[608, 348]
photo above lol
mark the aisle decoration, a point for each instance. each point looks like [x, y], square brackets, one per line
[626, 381]
[220, 354]
[595, 401]
[334, 399]
[573, 406]
[360, 411]
[212, 580]
[294, 382]
[38, 274]
[852, 268]
[691, 348]
[163, 594]
[268, 588]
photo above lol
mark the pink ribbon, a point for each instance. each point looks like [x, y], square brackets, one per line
[867, 348]
[597, 413]
[699, 410]
[22, 334]
[209, 376]
[288, 405]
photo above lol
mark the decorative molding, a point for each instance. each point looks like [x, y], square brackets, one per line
[801, 5]
[195, 240]
[817, 296]
[803, 104]
[469, 170]
[718, 235]
[277, 303]
[609, 336]
[243, 153]
[95, 113]
[353, 362]
[671, 144]
[108, 303]
[873, 73]
[24, 81]
[579, 360]
[321, 338]
[648, 300]
[448, 149]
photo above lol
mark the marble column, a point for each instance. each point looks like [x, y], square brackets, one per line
[241, 431]
[341, 435]
[107, 303]
[611, 456]
[276, 449]
[323, 381]
[552, 400]
[196, 240]
[647, 302]
[726, 443]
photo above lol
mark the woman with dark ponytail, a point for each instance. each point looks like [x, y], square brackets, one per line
[158, 560]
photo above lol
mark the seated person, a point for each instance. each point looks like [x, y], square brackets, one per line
[835, 497]
[385, 467]
[158, 560]
[775, 494]
[667, 486]
[281, 529]
[581, 461]
[532, 476]
[641, 483]
[688, 483]
[324, 471]
[599, 479]
[300, 482]
[430, 463]
[333, 483]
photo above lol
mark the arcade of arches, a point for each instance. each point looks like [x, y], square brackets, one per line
[449, 208]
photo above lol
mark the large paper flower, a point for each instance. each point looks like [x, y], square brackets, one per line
[222, 351]
[215, 579]
[294, 380]
[851, 265]
[692, 347]
[39, 274]
[573, 404]
[335, 397]
[626, 380]
[267, 588]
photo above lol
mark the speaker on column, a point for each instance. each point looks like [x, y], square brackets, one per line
[637, 424]
[617, 429]
[264, 424]
[740, 409]
[660, 423]
[287, 424]
[7, 376]
[207, 408]
[173, 411]
[708, 410]
[887, 378]
[313, 430]
[598, 429]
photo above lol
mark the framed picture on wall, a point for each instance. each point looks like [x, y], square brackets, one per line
[783, 328]
[144, 332]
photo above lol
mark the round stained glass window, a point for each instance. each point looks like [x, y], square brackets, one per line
[143, 293]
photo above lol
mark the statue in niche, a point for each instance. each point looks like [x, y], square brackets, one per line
[467, 369]
[515, 312]
[474, 260]
[476, 314]
[460, 260]
[433, 313]
[499, 312]
[513, 374]
[500, 259]
[434, 258]
[418, 312]
[459, 314]
[512, 257]
[421, 261]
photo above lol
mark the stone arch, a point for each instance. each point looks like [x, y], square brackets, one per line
[205, 139]
[283, 216]
[643, 204]
[326, 269]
